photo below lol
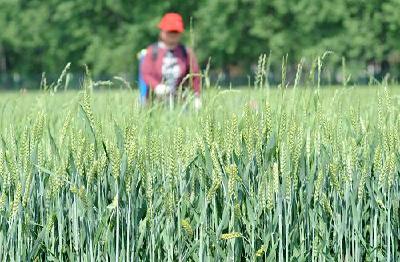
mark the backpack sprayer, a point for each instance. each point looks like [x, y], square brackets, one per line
[143, 88]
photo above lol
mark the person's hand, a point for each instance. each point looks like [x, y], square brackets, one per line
[162, 90]
[197, 103]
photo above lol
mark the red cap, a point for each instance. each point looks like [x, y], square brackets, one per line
[172, 22]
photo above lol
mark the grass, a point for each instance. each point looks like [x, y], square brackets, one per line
[304, 174]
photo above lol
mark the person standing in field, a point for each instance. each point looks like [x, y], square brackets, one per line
[168, 64]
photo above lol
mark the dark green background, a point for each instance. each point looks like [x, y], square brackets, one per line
[37, 36]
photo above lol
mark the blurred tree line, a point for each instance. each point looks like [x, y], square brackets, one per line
[38, 36]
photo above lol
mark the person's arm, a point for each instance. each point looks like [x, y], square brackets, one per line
[195, 70]
[195, 80]
[147, 68]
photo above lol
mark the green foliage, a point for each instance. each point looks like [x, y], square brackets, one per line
[291, 174]
[39, 36]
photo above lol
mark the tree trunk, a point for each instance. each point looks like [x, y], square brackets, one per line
[3, 64]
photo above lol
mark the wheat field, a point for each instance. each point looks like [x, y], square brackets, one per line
[280, 174]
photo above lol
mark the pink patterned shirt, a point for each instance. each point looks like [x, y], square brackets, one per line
[170, 67]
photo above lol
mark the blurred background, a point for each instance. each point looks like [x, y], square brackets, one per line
[43, 36]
